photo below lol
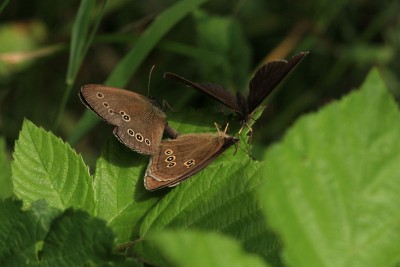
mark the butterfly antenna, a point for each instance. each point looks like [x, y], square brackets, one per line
[226, 127]
[218, 127]
[148, 83]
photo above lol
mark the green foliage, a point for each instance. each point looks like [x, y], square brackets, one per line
[229, 51]
[81, 40]
[75, 238]
[46, 168]
[328, 190]
[323, 196]
[215, 200]
[43, 236]
[188, 248]
[5, 174]
[333, 183]
[121, 198]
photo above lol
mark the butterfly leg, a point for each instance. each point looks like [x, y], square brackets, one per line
[250, 132]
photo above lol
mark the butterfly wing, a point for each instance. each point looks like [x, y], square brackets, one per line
[214, 90]
[183, 157]
[139, 121]
[267, 79]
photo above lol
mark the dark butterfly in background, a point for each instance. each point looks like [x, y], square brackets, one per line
[265, 80]
[180, 158]
[140, 122]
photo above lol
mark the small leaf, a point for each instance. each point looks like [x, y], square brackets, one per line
[46, 168]
[75, 238]
[20, 231]
[196, 248]
[219, 198]
[122, 199]
[47, 237]
[5, 173]
[333, 183]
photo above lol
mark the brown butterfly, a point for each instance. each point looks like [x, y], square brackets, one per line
[139, 120]
[261, 85]
[180, 158]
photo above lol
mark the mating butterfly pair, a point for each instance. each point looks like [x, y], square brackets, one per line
[140, 123]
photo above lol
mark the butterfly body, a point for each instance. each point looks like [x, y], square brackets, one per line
[139, 120]
[180, 158]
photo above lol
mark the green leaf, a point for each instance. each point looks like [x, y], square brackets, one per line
[21, 231]
[44, 236]
[122, 199]
[333, 183]
[46, 168]
[75, 238]
[198, 248]
[219, 198]
[5, 173]
[129, 64]
[223, 37]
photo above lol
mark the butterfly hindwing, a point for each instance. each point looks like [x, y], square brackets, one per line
[184, 156]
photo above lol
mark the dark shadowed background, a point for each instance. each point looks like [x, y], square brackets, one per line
[222, 42]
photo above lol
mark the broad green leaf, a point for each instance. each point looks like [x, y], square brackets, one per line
[46, 168]
[224, 37]
[21, 231]
[129, 64]
[121, 197]
[219, 198]
[5, 172]
[198, 248]
[333, 183]
[75, 238]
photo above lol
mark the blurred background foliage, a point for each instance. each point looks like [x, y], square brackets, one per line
[222, 41]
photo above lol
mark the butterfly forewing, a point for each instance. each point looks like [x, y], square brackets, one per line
[267, 78]
[216, 91]
[139, 122]
[183, 157]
